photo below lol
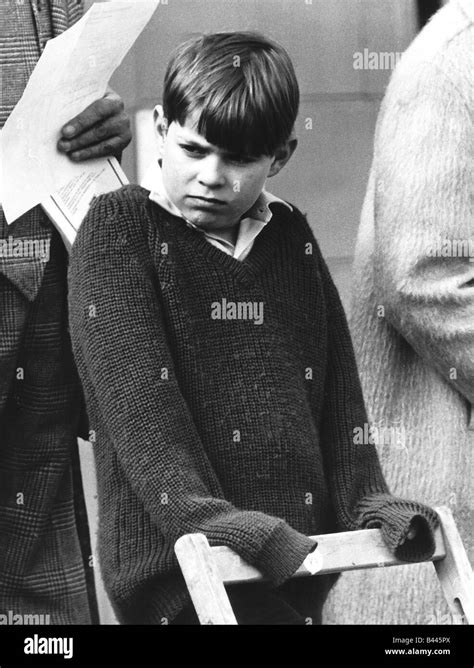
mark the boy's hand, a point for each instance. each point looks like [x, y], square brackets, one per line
[102, 129]
[413, 531]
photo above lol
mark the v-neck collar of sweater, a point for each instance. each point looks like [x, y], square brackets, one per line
[249, 227]
[245, 271]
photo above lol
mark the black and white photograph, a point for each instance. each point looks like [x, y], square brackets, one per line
[236, 332]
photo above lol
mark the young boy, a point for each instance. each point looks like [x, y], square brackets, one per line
[216, 359]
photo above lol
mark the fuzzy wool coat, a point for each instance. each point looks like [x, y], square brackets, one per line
[413, 307]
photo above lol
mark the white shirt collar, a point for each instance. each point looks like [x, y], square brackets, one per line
[250, 226]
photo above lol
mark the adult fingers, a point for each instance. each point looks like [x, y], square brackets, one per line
[109, 147]
[110, 104]
[117, 126]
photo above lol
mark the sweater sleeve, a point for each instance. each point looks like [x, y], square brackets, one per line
[120, 343]
[358, 489]
[424, 245]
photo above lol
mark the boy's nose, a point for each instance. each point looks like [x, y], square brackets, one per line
[211, 172]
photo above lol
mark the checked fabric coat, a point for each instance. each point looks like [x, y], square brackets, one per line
[43, 533]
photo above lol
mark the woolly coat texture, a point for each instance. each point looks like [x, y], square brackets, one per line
[412, 316]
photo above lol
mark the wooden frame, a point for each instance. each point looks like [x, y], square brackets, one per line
[207, 569]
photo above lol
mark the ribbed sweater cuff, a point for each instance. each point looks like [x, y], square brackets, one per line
[283, 553]
[395, 517]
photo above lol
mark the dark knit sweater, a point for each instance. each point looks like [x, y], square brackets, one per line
[238, 430]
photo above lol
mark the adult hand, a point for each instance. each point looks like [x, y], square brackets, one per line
[102, 129]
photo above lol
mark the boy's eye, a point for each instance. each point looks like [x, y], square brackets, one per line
[241, 159]
[237, 158]
[193, 150]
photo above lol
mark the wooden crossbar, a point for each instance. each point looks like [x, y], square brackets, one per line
[207, 569]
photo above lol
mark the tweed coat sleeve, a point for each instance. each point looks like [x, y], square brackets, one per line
[424, 229]
[120, 344]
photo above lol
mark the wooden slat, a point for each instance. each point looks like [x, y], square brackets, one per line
[202, 579]
[344, 551]
[206, 569]
[455, 572]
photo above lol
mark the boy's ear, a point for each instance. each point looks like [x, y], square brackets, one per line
[161, 126]
[283, 154]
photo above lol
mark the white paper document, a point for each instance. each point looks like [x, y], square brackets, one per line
[73, 72]
[68, 206]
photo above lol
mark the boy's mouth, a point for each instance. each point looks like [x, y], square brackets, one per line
[210, 201]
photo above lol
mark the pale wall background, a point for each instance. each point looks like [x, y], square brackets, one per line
[328, 174]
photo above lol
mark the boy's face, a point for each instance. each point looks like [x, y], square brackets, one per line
[211, 187]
